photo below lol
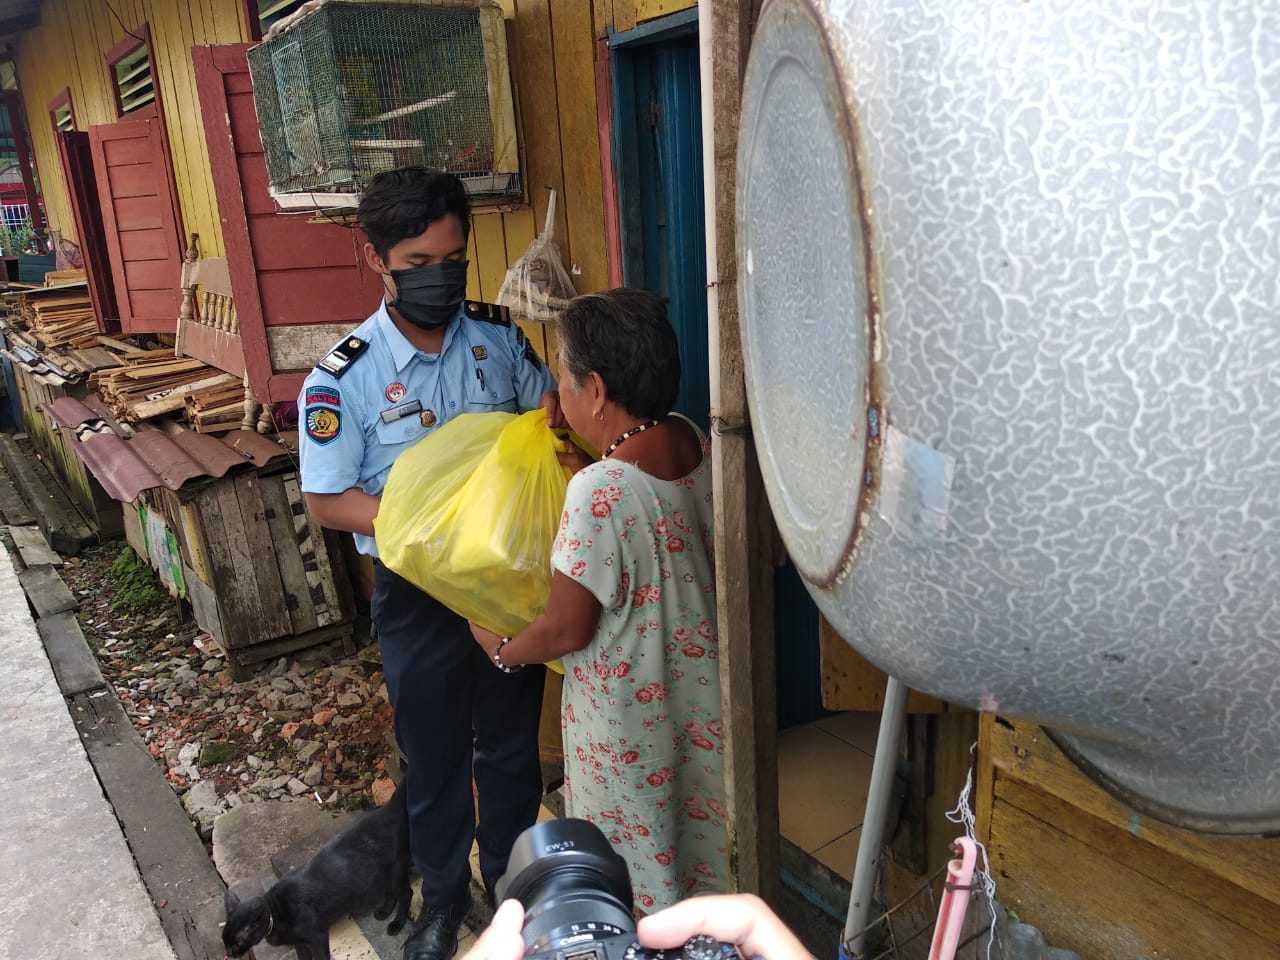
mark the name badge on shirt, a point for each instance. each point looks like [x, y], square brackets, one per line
[400, 411]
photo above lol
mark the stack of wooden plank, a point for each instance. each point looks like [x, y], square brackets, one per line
[59, 316]
[156, 382]
[216, 408]
[57, 278]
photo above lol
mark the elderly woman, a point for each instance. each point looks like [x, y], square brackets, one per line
[632, 606]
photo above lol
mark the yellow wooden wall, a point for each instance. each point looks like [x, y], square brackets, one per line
[68, 50]
[560, 140]
[553, 51]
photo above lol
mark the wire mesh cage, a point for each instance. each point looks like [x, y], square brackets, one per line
[349, 89]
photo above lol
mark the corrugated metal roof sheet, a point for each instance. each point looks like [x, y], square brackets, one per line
[48, 364]
[40, 367]
[127, 461]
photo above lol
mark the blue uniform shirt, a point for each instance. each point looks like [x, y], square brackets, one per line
[351, 428]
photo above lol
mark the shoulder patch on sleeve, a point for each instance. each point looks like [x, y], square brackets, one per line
[338, 360]
[488, 312]
[531, 354]
[323, 423]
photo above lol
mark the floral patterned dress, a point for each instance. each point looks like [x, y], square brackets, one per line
[643, 740]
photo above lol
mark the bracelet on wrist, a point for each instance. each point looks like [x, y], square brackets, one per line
[497, 658]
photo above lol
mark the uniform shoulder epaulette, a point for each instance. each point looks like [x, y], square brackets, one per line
[338, 360]
[489, 312]
[530, 354]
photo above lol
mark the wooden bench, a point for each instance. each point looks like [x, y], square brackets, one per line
[209, 330]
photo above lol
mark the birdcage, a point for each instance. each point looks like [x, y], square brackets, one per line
[347, 89]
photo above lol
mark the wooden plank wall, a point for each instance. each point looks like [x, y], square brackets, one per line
[560, 150]
[560, 136]
[57, 445]
[1103, 880]
[68, 50]
[852, 682]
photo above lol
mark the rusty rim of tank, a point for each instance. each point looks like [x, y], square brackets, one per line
[835, 81]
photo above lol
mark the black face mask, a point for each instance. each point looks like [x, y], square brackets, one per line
[429, 296]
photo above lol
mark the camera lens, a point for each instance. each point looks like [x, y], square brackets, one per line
[575, 889]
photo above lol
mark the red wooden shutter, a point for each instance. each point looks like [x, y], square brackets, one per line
[287, 274]
[86, 212]
[139, 214]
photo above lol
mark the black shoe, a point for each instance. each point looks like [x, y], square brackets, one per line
[435, 934]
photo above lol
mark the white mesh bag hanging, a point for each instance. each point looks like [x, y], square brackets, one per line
[537, 286]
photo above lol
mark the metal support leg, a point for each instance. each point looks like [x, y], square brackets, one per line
[853, 945]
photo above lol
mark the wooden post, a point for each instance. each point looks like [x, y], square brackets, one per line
[187, 312]
[250, 407]
[744, 568]
[26, 161]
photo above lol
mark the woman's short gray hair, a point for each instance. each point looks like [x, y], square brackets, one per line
[624, 335]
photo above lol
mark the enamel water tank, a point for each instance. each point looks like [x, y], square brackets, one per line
[1008, 287]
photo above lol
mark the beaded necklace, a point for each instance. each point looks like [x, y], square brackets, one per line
[639, 428]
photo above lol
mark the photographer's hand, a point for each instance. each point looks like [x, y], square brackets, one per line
[740, 919]
[502, 939]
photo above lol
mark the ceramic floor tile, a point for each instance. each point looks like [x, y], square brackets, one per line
[822, 786]
[841, 854]
[857, 728]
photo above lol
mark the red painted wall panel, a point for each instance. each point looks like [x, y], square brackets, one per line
[144, 245]
[285, 271]
[140, 231]
[149, 275]
[157, 304]
[253, 177]
[273, 237]
[132, 180]
[140, 213]
[121, 152]
[291, 296]
[244, 123]
[76, 158]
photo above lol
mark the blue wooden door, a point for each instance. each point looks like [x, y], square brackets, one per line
[657, 148]
[658, 153]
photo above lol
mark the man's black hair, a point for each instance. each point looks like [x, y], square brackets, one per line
[625, 336]
[399, 204]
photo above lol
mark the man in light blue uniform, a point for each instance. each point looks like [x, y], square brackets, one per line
[424, 357]
[353, 426]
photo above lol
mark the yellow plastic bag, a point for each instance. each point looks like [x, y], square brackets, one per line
[470, 513]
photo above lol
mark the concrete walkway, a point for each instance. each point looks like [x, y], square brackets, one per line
[68, 883]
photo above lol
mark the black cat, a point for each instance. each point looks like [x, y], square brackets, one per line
[365, 867]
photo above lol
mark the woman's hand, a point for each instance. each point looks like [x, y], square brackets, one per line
[487, 639]
[501, 940]
[741, 919]
[573, 457]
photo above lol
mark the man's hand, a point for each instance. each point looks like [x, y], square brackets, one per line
[551, 404]
[502, 939]
[487, 639]
[741, 919]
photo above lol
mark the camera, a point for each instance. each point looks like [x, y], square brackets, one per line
[576, 893]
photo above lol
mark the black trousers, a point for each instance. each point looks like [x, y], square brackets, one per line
[456, 715]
